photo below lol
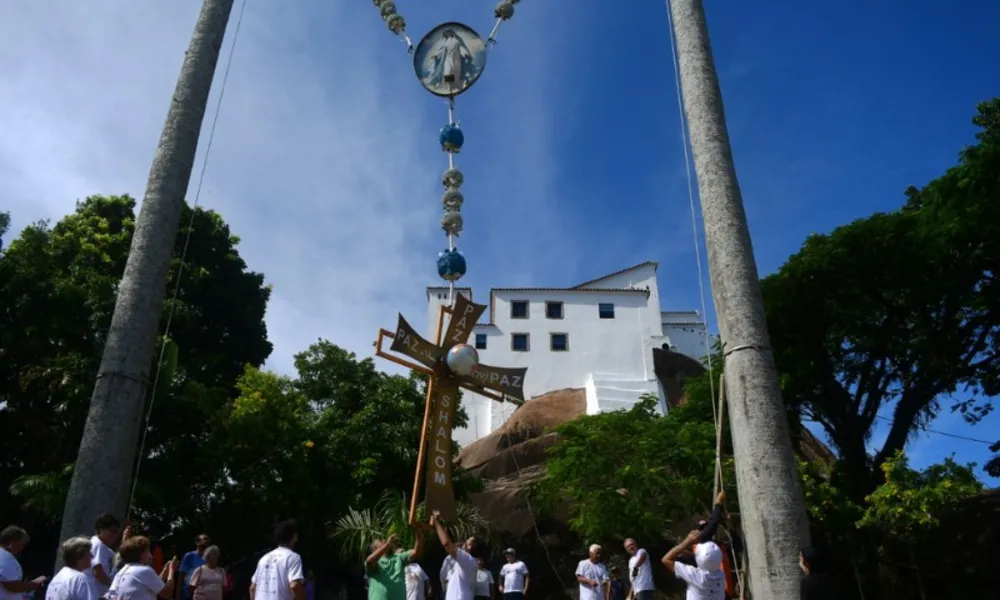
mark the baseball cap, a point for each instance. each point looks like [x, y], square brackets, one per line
[510, 551]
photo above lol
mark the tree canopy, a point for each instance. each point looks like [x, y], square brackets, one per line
[633, 473]
[229, 447]
[892, 315]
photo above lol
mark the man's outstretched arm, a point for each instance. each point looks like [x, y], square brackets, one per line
[445, 539]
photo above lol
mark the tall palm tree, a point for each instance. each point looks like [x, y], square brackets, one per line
[356, 530]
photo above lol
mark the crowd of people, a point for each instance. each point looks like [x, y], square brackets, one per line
[93, 570]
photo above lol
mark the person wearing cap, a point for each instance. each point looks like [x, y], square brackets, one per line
[705, 581]
[514, 577]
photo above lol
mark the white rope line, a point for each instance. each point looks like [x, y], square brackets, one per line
[527, 502]
[716, 410]
[691, 202]
[184, 251]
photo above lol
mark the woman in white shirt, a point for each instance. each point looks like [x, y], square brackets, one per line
[136, 580]
[70, 583]
[208, 581]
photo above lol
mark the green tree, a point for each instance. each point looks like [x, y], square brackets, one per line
[887, 316]
[910, 504]
[632, 473]
[57, 292]
[4, 225]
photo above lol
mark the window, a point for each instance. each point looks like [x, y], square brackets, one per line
[480, 341]
[519, 342]
[559, 342]
[519, 309]
[607, 311]
[553, 310]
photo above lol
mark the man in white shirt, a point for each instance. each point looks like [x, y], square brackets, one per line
[107, 530]
[593, 576]
[640, 572]
[12, 587]
[514, 578]
[462, 578]
[446, 566]
[279, 572]
[706, 581]
[418, 584]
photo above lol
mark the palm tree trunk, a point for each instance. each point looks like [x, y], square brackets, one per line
[104, 466]
[771, 502]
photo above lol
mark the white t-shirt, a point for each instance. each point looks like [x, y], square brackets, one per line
[135, 582]
[10, 570]
[446, 567]
[643, 582]
[416, 581]
[275, 573]
[596, 571]
[702, 584]
[68, 584]
[100, 554]
[513, 575]
[462, 577]
[484, 583]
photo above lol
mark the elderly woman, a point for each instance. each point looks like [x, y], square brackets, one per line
[70, 583]
[136, 580]
[208, 581]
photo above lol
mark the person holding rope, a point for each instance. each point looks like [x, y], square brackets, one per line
[707, 530]
[705, 581]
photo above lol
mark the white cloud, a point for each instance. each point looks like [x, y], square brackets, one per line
[324, 160]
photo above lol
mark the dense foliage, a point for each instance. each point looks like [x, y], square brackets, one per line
[633, 473]
[230, 448]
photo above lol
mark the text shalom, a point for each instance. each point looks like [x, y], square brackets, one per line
[442, 442]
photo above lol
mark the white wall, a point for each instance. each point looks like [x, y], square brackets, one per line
[598, 348]
[685, 332]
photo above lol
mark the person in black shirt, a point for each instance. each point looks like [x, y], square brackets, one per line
[817, 583]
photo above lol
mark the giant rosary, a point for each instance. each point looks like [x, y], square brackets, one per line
[447, 62]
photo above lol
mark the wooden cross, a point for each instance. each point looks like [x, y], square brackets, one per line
[496, 383]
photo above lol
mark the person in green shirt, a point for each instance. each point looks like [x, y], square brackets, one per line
[386, 567]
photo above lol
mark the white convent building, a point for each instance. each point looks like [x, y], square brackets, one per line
[598, 335]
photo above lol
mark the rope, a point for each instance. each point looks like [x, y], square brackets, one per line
[184, 251]
[527, 502]
[691, 204]
[717, 411]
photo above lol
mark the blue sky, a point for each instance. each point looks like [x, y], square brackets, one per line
[326, 163]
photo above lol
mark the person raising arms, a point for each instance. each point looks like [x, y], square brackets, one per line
[386, 567]
[462, 578]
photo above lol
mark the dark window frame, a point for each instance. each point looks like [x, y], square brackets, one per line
[552, 341]
[527, 342]
[527, 309]
[602, 314]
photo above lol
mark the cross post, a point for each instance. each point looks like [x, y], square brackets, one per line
[451, 364]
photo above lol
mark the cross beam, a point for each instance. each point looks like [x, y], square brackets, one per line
[496, 383]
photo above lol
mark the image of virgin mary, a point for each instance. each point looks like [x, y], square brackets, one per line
[451, 68]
